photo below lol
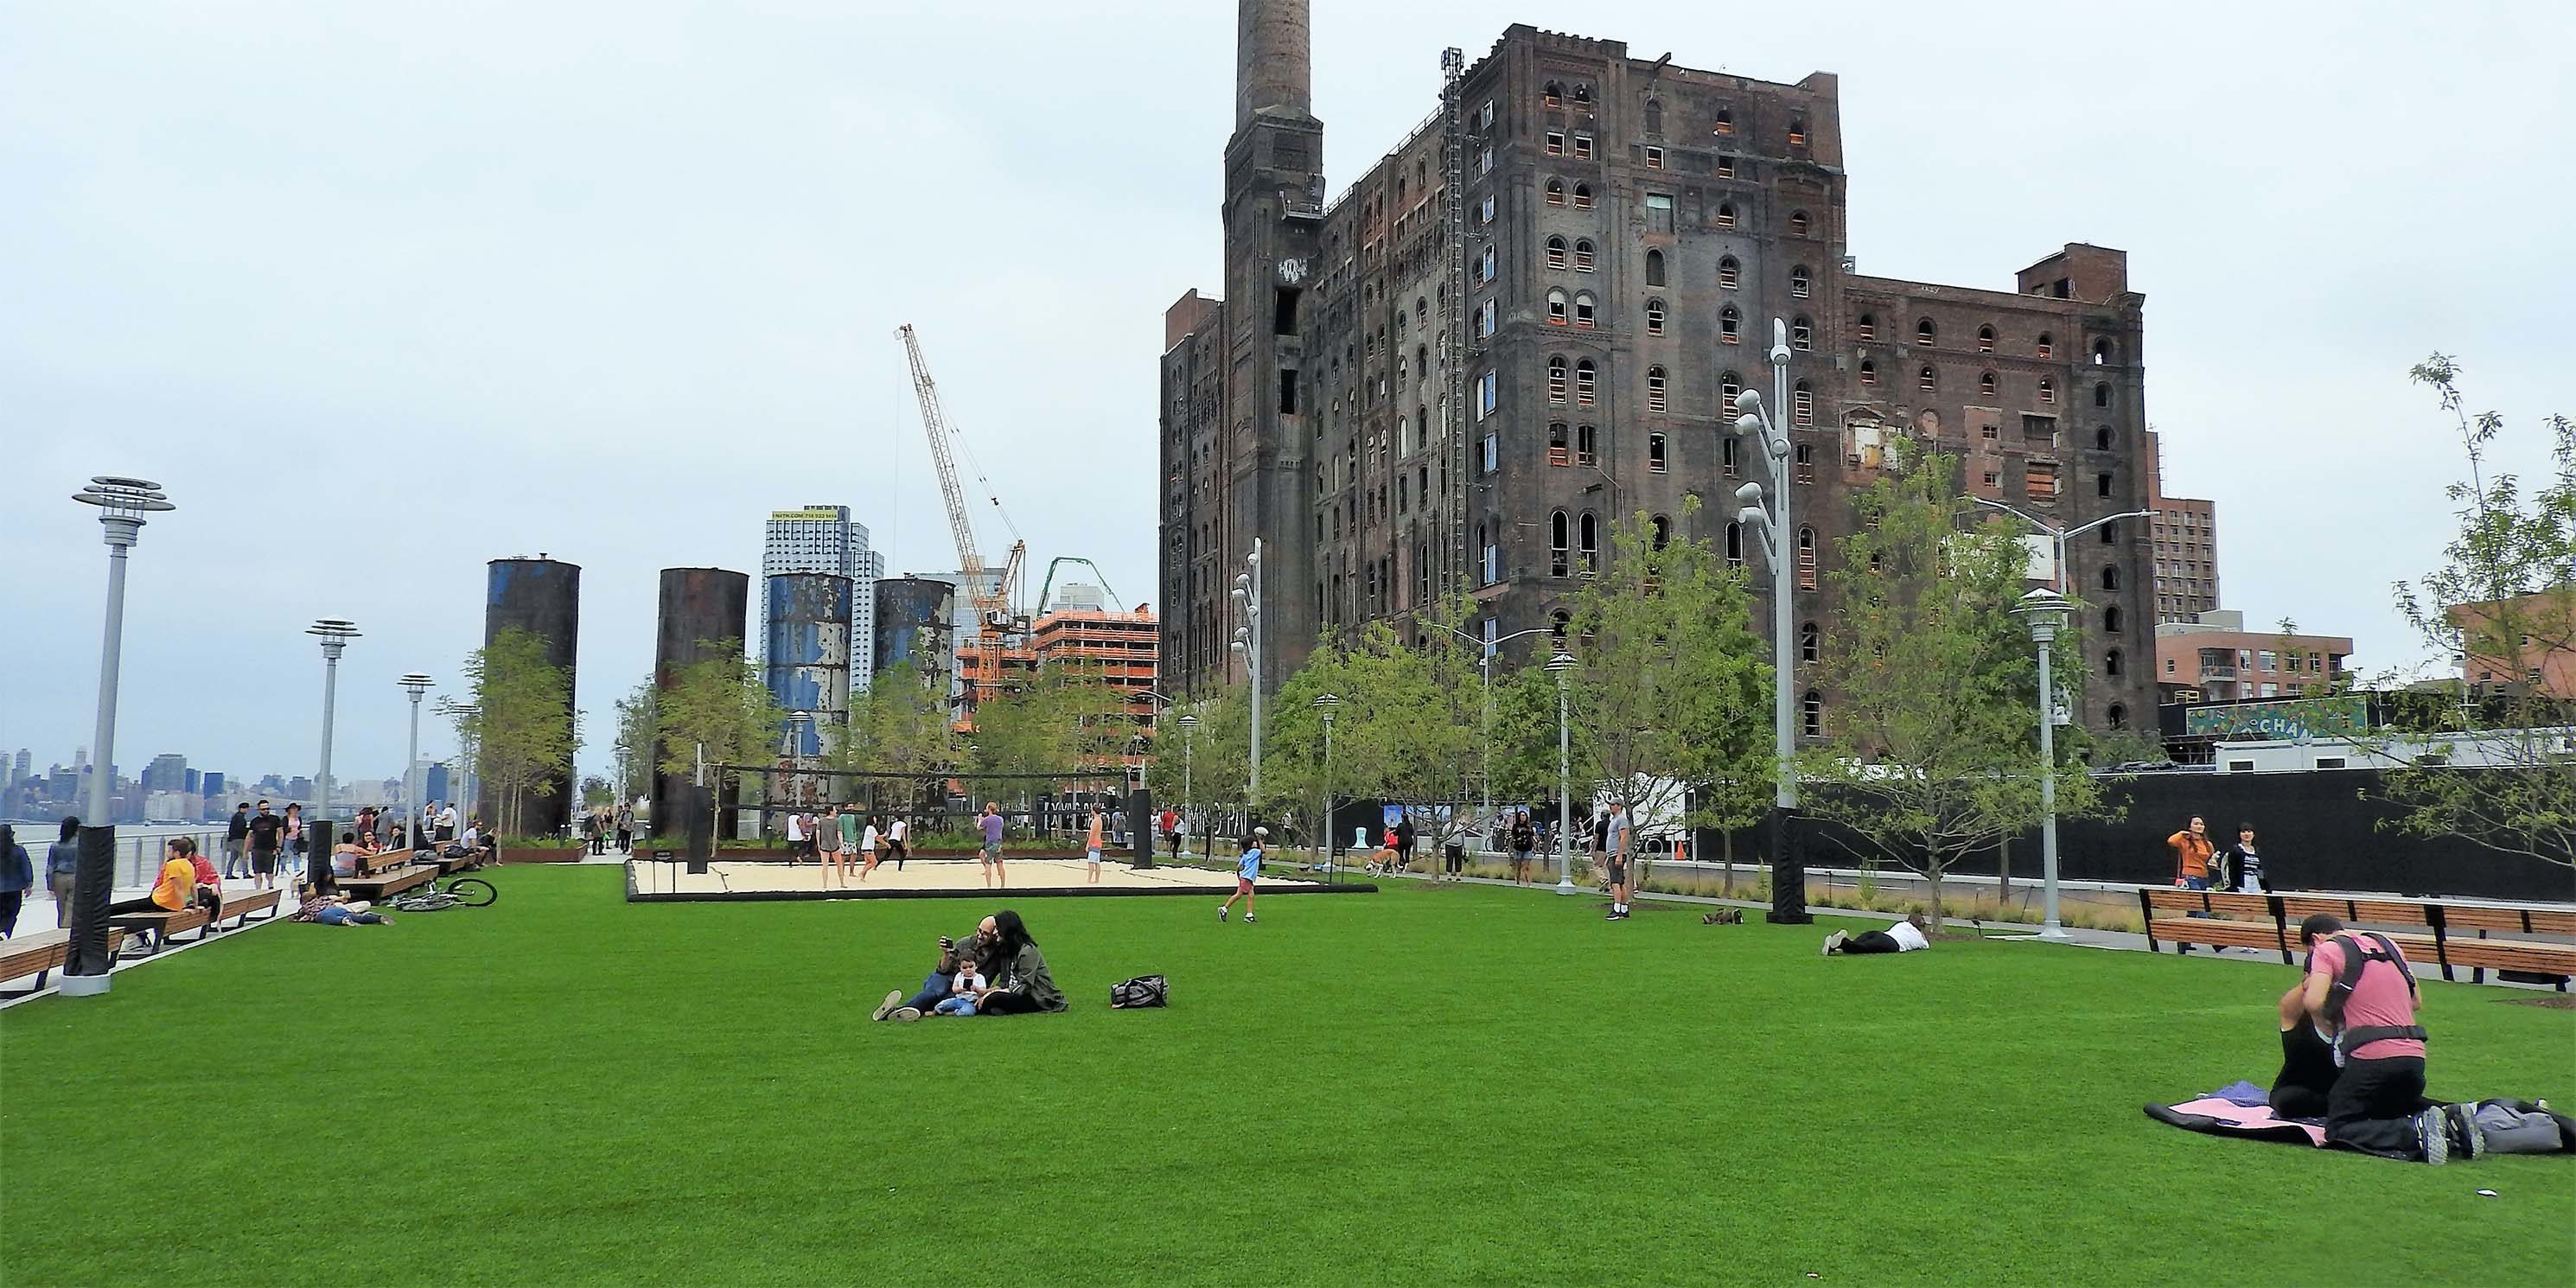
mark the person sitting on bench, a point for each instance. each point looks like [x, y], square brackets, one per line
[345, 855]
[1904, 937]
[332, 910]
[2306, 1081]
[177, 887]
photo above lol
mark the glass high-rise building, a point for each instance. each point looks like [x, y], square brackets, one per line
[824, 539]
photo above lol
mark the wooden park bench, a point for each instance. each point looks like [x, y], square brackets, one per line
[42, 953]
[2269, 922]
[239, 907]
[376, 881]
[154, 927]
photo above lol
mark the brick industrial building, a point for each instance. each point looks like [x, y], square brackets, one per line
[2186, 541]
[1530, 317]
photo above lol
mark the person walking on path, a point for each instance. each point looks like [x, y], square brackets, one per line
[291, 839]
[1524, 842]
[1614, 851]
[62, 862]
[625, 827]
[2191, 850]
[267, 842]
[17, 875]
[992, 824]
[237, 842]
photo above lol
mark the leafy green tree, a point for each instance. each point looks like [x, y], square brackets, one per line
[2503, 601]
[596, 792]
[1931, 741]
[1405, 731]
[1671, 689]
[636, 721]
[520, 724]
[900, 725]
[720, 703]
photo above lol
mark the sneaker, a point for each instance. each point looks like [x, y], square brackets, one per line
[1834, 941]
[887, 1007]
[2464, 1123]
[1247, 919]
[1222, 910]
[906, 1013]
[2433, 1136]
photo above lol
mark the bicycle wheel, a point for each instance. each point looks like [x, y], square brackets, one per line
[473, 892]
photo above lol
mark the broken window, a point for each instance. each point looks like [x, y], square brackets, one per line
[1654, 158]
[1655, 453]
[1798, 281]
[1725, 215]
[1558, 546]
[1583, 311]
[1659, 208]
[1556, 143]
[1798, 223]
[1583, 196]
[1287, 391]
[1655, 395]
[1729, 273]
[1868, 373]
[1283, 311]
[1725, 122]
[1868, 328]
[1729, 324]
[1985, 339]
[1556, 380]
[1583, 255]
[1585, 452]
[1803, 399]
[1802, 334]
[1556, 252]
[1654, 317]
[1926, 334]
[1557, 313]
[1556, 192]
[1583, 383]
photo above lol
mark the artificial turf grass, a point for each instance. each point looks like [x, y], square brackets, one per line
[1425, 1085]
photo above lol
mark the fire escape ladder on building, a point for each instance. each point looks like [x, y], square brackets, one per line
[1456, 343]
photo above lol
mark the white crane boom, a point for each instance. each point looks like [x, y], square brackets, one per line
[934, 423]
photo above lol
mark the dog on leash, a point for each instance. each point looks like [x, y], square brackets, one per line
[1724, 917]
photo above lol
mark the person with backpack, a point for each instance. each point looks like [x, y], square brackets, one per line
[2361, 994]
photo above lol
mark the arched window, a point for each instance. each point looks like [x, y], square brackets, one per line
[2110, 535]
[2102, 353]
[2111, 620]
[1803, 398]
[1654, 268]
[1986, 384]
[1552, 94]
[1985, 339]
[2047, 348]
[1587, 553]
[1582, 92]
[1559, 549]
[1583, 383]
[2110, 576]
[1654, 317]
[1556, 380]
[1868, 328]
[1655, 401]
[1485, 264]
[1806, 558]
[1725, 123]
[1557, 311]
[1798, 223]
[1811, 645]
[1729, 273]
[1583, 254]
[2116, 715]
[1422, 360]
[1728, 386]
[1926, 334]
[1583, 310]
[1558, 453]
[1403, 371]
[1556, 252]
[2047, 390]
[1868, 372]
[1725, 215]
[1802, 333]
[1421, 310]
[1556, 192]
[1583, 196]
[1654, 117]
[1730, 325]
[1663, 531]
[1927, 379]
[1798, 281]
[2112, 662]
[1734, 541]
[2102, 443]
[1556, 623]
[1811, 714]
[2102, 394]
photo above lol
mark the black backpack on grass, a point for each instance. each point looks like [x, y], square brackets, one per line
[1144, 990]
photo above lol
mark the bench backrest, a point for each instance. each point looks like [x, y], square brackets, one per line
[2541, 921]
[2242, 907]
[235, 905]
[2378, 912]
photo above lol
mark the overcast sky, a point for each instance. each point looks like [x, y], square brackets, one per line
[380, 292]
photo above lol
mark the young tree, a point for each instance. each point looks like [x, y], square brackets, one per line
[1405, 731]
[1672, 690]
[519, 724]
[720, 703]
[1931, 748]
[636, 719]
[596, 792]
[899, 726]
[2504, 603]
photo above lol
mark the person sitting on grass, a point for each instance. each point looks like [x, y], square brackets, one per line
[2305, 1084]
[962, 989]
[1247, 870]
[1904, 937]
[332, 910]
[956, 956]
[1026, 987]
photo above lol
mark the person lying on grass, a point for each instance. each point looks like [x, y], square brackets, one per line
[332, 910]
[1904, 937]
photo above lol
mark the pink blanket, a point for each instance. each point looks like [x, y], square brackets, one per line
[2227, 1118]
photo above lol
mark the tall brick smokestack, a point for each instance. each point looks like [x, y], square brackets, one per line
[1272, 60]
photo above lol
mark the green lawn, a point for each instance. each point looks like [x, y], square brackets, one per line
[1422, 1086]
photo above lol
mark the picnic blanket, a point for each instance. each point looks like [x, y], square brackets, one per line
[2240, 1109]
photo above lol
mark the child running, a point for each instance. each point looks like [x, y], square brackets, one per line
[1246, 871]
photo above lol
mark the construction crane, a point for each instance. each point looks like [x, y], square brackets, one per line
[1047, 587]
[995, 597]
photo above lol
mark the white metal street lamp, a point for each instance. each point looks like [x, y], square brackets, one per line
[417, 684]
[1772, 526]
[1189, 730]
[2046, 612]
[1247, 641]
[1328, 704]
[1562, 667]
[122, 503]
[335, 634]
[1485, 670]
[2058, 537]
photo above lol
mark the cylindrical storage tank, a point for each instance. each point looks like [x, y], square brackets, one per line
[541, 596]
[917, 624]
[702, 615]
[809, 652]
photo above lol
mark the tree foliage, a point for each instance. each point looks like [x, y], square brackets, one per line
[1931, 742]
[637, 713]
[519, 725]
[900, 725]
[720, 703]
[2504, 602]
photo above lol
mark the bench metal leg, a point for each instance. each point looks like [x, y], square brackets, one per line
[24, 992]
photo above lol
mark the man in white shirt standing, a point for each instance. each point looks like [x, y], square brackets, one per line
[898, 837]
[1904, 937]
[795, 836]
[1614, 852]
[447, 822]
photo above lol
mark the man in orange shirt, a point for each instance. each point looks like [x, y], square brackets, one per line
[2191, 849]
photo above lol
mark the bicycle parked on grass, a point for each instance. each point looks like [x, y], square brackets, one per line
[460, 892]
